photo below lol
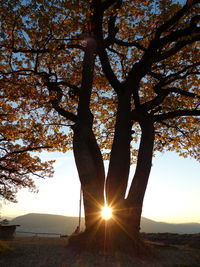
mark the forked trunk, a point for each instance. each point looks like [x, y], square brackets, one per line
[87, 154]
[90, 167]
[123, 228]
[122, 231]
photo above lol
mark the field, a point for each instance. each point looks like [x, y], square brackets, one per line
[53, 252]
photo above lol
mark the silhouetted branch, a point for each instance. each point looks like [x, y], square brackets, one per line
[177, 113]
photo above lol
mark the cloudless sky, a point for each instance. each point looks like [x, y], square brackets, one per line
[173, 192]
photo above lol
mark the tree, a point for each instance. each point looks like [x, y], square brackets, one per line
[123, 75]
[17, 165]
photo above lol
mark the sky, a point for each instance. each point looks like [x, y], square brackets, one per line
[173, 192]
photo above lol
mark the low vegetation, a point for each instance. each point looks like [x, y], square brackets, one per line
[55, 252]
[5, 247]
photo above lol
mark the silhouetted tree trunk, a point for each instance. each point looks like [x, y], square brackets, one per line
[91, 173]
[87, 154]
[125, 224]
[119, 166]
[144, 162]
[124, 227]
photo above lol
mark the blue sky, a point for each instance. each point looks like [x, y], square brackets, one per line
[173, 192]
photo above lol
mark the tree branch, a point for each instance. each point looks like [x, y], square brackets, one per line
[152, 53]
[155, 102]
[101, 49]
[182, 92]
[66, 114]
[177, 113]
[174, 36]
[29, 149]
[75, 88]
[175, 18]
[112, 31]
[108, 3]
[177, 48]
[163, 78]
[41, 51]
[130, 44]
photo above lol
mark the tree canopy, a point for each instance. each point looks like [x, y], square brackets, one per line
[17, 165]
[42, 48]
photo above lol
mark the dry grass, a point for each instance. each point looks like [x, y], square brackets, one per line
[5, 247]
[53, 252]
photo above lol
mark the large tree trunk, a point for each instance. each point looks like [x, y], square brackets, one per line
[123, 228]
[87, 154]
[122, 231]
[137, 190]
[119, 166]
[90, 167]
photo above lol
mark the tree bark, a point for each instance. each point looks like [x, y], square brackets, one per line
[124, 227]
[87, 154]
[118, 232]
[90, 167]
[137, 190]
[119, 166]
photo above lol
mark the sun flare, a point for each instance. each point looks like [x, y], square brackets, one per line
[106, 213]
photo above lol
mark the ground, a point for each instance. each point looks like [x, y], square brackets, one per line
[54, 252]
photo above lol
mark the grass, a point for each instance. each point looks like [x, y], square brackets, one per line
[5, 247]
[54, 252]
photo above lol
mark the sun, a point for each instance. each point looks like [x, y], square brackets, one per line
[106, 213]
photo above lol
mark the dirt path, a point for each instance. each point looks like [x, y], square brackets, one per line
[53, 252]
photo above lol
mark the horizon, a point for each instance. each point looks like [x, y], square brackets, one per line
[172, 193]
[82, 217]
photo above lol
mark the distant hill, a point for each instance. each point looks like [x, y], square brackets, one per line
[48, 223]
[150, 226]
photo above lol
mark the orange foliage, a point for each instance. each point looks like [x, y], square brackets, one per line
[148, 46]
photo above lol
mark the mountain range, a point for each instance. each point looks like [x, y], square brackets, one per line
[65, 225]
